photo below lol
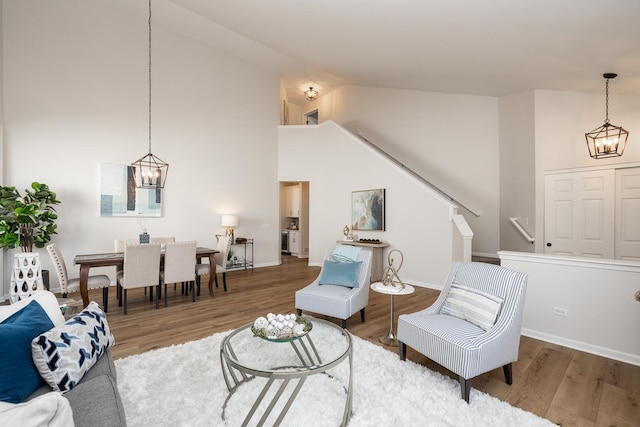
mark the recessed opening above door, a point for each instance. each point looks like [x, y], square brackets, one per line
[311, 118]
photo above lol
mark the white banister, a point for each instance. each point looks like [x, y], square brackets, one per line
[522, 231]
[462, 239]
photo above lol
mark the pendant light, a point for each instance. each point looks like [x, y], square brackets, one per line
[311, 94]
[150, 171]
[607, 140]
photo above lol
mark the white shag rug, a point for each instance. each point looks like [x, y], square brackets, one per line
[182, 385]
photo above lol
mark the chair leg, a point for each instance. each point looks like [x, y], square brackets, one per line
[124, 297]
[362, 315]
[402, 350]
[299, 312]
[105, 298]
[119, 295]
[465, 388]
[215, 278]
[344, 323]
[158, 296]
[165, 294]
[508, 373]
[224, 280]
[193, 290]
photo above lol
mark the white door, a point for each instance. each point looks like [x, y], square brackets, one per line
[580, 214]
[628, 214]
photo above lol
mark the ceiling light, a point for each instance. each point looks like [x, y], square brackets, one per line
[607, 140]
[311, 94]
[150, 171]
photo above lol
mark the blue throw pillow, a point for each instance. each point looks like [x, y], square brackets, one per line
[340, 273]
[18, 375]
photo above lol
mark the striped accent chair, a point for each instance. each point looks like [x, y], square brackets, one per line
[474, 325]
[338, 301]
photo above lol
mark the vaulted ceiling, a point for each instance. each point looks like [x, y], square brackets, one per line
[491, 47]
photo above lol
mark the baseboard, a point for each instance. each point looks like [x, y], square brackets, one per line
[583, 346]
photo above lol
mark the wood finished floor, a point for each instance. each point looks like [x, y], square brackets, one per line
[566, 386]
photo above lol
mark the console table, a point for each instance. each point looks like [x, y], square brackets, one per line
[377, 267]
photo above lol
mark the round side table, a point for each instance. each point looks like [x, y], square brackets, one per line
[390, 338]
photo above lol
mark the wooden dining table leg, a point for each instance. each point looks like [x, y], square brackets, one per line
[84, 280]
[212, 272]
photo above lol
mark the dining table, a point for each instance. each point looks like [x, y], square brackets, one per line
[116, 259]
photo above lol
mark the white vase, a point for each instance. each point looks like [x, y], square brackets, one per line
[26, 276]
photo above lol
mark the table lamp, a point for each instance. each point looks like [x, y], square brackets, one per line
[229, 221]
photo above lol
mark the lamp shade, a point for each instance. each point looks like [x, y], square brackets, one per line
[229, 221]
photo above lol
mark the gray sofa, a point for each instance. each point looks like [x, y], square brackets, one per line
[95, 400]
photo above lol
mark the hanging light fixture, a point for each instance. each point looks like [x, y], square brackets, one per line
[607, 140]
[311, 94]
[150, 171]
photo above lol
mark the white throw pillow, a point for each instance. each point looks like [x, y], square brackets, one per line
[47, 301]
[474, 306]
[65, 353]
[51, 410]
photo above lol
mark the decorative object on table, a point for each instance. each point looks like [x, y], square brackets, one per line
[26, 221]
[607, 140]
[390, 276]
[281, 327]
[143, 238]
[241, 240]
[150, 171]
[367, 210]
[229, 221]
[373, 241]
[348, 237]
[119, 196]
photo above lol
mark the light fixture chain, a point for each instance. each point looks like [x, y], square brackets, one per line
[606, 119]
[149, 76]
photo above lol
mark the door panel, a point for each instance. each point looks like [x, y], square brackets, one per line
[628, 214]
[579, 214]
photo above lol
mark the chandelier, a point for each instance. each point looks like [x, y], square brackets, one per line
[150, 171]
[311, 94]
[607, 140]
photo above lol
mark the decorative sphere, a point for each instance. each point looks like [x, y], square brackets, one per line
[270, 316]
[260, 323]
[298, 329]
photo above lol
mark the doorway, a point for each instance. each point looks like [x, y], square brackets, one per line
[311, 118]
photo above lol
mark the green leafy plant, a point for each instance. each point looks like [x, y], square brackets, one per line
[27, 220]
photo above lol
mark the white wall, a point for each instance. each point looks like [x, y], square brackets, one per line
[330, 158]
[451, 140]
[517, 170]
[76, 94]
[603, 316]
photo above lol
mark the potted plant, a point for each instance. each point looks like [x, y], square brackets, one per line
[26, 221]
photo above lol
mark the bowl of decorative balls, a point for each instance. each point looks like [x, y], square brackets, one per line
[281, 327]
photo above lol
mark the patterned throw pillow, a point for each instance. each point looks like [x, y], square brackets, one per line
[469, 304]
[64, 354]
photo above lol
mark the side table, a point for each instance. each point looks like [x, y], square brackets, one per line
[390, 339]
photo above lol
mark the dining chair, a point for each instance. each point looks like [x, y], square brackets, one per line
[119, 244]
[141, 269]
[179, 267]
[162, 240]
[223, 247]
[73, 285]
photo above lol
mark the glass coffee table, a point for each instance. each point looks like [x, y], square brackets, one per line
[265, 378]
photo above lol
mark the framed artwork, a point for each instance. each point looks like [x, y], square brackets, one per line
[367, 209]
[120, 197]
